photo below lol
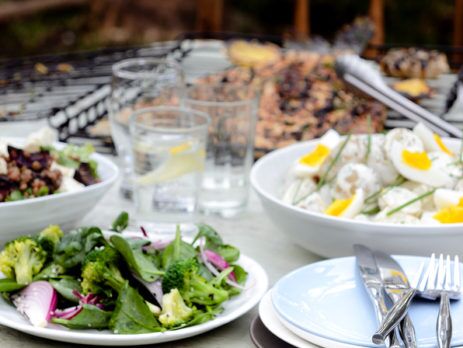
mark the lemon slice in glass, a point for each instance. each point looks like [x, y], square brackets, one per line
[182, 159]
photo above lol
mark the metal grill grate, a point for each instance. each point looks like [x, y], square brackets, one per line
[70, 90]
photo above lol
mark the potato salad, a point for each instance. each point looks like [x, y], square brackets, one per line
[402, 177]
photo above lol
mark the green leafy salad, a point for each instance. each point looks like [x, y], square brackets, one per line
[129, 284]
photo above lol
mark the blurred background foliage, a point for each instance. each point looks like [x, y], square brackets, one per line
[103, 23]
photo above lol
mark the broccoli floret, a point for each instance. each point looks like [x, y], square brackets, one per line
[184, 276]
[101, 273]
[174, 310]
[21, 259]
[50, 237]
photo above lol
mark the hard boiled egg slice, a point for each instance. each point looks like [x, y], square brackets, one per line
[431, 141]
[444, 198]
[310, 163]
[347, 208]
[417, 166]
[403, 137]
[450, 215]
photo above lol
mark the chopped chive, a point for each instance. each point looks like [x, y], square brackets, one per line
[397, 182]
[406, 204]
[323, 178]
[368, 138]
[297, 191]
[372, 211]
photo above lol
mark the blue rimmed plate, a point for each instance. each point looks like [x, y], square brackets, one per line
[328, 299]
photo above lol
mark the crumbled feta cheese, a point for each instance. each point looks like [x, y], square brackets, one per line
[43, 137]
[70, 185]
[66, 171]
[3, 166]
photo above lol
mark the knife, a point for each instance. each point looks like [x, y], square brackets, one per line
[373, 283]
[396, 284]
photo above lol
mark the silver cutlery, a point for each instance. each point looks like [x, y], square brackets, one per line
[435, 282]
[441, 282]
[395, 283]
[373, 284]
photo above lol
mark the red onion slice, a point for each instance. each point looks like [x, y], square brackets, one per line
[219, 262]
[68, 313]
[212, 269]
[37, 302]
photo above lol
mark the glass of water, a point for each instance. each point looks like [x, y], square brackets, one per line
[233, 112]
[168, 154]
[139, 83]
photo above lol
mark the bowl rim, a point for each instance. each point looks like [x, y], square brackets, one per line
[114, 173]
[455, 227]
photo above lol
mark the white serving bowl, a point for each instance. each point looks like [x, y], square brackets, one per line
[332, 236]
[65, 209]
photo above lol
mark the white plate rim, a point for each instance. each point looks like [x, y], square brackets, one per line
[272, 322]
[257, 289]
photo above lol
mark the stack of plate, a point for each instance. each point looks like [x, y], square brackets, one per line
[325, 304]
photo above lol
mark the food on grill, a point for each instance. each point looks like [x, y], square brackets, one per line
[354, 36]
[404, 176]
[39, 169]
[414, 62]
[413, 89]
[302, 98]
[253, 54]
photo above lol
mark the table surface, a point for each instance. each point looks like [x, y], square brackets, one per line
[252, 232]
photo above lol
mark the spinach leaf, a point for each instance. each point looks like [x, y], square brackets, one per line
[65, 287]
[90, 317]
[121, 222]
[53, 270]
[215, 243]
[137, 260]
[7, 285]
[213, 239]
[177, 250]
[240, 274]
[132, 315]
[74, 246]
[228, 252]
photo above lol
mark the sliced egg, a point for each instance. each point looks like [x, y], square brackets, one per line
[417, 166]
[450, 215]
[347, 208]
[445, 198]
[428, 218]
[431, 141]
[310, 163]
[403, 137]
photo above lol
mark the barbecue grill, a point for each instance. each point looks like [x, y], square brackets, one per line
[70, 91]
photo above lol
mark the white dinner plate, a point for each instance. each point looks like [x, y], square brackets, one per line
[270, 319]
[255, 288]
[327, 299]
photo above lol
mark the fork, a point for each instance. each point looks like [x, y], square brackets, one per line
[436, 282]
[439, 282]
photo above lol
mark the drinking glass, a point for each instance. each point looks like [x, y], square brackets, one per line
[233, 112]
[139, 83]
[168, 155]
